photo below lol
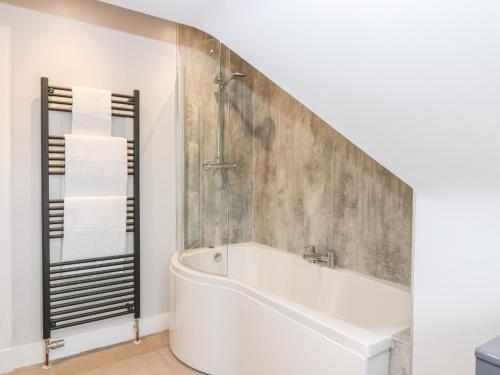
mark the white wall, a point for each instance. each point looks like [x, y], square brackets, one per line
[457, 284]
[72, 52]
[5, 201]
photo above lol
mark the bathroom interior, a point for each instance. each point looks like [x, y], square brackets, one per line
[172, 207]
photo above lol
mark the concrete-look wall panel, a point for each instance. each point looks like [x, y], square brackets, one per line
[298, 180]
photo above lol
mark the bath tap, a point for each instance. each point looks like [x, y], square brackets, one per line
[312, 256]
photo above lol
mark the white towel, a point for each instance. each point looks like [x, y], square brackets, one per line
[94, 227]
[95, 166]
[91, 111]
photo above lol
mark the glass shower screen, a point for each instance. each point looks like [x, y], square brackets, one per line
[203, 113]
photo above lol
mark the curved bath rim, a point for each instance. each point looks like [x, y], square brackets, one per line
[217, 311]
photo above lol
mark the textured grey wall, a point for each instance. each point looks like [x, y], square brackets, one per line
[298, 180]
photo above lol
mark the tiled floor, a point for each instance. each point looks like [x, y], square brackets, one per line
[151, 357]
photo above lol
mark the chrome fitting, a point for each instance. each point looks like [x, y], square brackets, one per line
[50, 345]
[137, 340]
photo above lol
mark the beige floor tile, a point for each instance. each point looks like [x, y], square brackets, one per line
[174, 363]
[35, 370]
[146, 364]
[151, 357]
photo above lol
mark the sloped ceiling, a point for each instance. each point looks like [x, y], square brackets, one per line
[414, 83]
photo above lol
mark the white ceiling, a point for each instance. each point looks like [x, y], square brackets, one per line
[414, 83]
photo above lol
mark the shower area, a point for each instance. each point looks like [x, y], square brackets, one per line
[257, 166]
[216, 97]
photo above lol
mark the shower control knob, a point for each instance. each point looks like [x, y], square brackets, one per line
[218, 258]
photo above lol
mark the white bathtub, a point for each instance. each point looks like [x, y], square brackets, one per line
[277, 314]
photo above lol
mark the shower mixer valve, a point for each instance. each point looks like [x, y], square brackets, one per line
[217, 164]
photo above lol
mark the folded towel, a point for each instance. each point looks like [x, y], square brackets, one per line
[94, 227]
[95, 166]
[91, 111]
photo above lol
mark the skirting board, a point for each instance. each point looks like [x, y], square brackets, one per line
[6, 362]
[30, 354]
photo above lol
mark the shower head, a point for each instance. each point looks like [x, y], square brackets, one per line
[233, 76]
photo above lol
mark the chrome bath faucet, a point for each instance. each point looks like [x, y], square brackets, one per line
[312, 256]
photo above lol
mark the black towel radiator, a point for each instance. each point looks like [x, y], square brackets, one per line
[88, 290]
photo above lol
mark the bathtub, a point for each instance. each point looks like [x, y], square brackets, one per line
[277, 314]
